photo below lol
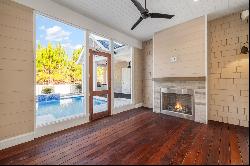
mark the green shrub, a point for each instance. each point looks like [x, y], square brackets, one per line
[79, 87]
[47, 90]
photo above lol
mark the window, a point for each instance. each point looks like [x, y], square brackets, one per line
[99, 43]
[122, 75]
[59, 48]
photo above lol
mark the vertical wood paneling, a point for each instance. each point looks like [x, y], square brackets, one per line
[148, 74]
[138, 75]
[186, 42]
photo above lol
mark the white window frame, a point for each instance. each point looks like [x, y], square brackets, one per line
[38, 132]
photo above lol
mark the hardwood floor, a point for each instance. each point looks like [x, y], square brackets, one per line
[137, 136]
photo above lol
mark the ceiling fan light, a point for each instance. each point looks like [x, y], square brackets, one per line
[145, 14]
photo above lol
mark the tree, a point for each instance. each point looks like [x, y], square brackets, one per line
[74, 69]
[51, 64]
[100, 74]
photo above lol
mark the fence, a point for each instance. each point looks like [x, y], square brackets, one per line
[61, 89]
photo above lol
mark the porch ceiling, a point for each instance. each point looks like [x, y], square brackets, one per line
[122, 14]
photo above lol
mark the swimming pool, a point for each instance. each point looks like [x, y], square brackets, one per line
[66, 108]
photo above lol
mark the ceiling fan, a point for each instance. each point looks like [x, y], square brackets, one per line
[145, 13]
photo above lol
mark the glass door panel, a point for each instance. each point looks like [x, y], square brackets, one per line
[100, 84]
[100, 103]
[100, 73]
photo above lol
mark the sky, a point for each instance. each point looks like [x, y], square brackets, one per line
[49, 30]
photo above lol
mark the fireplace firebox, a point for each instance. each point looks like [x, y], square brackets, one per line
[178, 102]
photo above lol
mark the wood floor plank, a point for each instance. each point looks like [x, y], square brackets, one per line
[72, 147]
[243, 142]
[156, 144]
[40, 154]
[213, 156]
[107, 153]
[185, 146]
[51, 140]
[224, 153]
[167, 146]
[116, 150]
[111, 137]
[186, 134]
[149, 145]
[195, 148]
[146, 136]
[138, 137]
[234, 147]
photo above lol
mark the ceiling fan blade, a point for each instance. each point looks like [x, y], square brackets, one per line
[159, 15]
[139, 6]
[137, 22]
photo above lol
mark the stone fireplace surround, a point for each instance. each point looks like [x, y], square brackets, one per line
[200, 101]
[178, 102]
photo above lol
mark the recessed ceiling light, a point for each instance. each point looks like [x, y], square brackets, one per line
[196, 0]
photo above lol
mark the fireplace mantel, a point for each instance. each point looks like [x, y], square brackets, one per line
[203, 78]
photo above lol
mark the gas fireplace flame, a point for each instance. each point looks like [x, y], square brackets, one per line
[178, 106]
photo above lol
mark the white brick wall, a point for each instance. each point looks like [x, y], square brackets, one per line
[228, 72]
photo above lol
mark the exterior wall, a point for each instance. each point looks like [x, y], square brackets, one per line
[137, 75]
[148, 74]
[185, 41]
[118, 75]
[16, 70]
[228, 70]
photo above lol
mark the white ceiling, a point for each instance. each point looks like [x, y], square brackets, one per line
[122, 14]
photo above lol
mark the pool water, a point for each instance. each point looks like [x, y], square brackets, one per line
[58, 109]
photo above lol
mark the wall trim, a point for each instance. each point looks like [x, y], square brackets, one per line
[126, 108]
[138, 105]
[206, 66]
[122, 109]
[153, 71]
[163, 79]
[16, 140]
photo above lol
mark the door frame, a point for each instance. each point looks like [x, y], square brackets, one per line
[94, 116]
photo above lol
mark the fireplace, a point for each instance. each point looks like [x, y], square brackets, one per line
[178, 102]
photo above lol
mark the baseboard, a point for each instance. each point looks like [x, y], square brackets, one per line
[126, 108]
[147, 107]
[16, 140]
[138, 105]
[122, 109]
